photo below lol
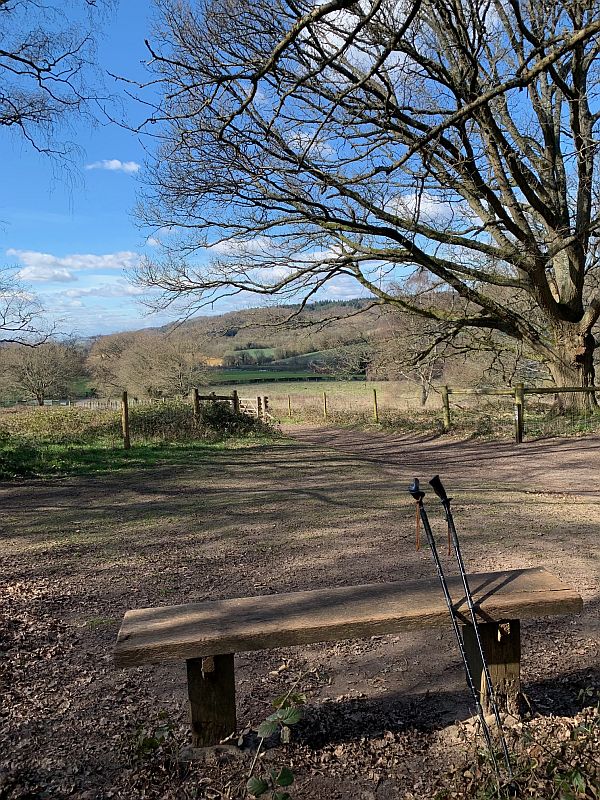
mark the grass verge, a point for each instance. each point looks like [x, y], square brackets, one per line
[62, 441]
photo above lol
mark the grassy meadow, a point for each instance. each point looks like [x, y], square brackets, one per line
[399, 408]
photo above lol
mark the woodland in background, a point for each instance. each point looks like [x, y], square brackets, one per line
[349, 339]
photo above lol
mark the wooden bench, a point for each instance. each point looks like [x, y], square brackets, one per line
[206, 635]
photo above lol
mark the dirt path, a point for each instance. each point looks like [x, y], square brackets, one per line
[328, 508]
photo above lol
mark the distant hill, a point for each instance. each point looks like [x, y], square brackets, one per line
[281, 335]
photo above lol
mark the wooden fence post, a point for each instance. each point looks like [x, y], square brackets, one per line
[235, 401]
[519, 412]
[265, 407]
[375, 409]
[324, 405]
[125, 421]
[259, 407]
[196, 404]
[446, 405]
[289, 405]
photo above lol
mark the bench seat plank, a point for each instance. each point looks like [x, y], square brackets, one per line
[194, 630]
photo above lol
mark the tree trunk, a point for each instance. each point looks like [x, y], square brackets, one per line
[574, 366]
[40, 400]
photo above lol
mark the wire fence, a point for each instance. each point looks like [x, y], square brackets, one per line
[520, 411]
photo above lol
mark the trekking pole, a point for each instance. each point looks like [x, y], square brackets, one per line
[418, 495]
[438, 488]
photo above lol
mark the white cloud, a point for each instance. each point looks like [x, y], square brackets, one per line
[311, 143]
[235, 247]
[26, 296]
[115, 165]
[425, 206]
[59, 304]
[117, 289]
[343, 287]
[157, 239]
[41, 273]
[47, 267]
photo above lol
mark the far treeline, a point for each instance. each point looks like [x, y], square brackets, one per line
[347, 339]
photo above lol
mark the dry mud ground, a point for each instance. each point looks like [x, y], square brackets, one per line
[328, 508]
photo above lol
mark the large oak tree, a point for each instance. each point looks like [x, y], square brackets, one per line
[302, 143]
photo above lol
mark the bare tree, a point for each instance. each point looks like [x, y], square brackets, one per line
[21, 314]
[45, 61]
[148, 365]
[38, 372]
[304, 143]
[411, 349]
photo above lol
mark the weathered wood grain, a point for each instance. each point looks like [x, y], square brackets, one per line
[212, 699]
[348, 612]
[502, 649]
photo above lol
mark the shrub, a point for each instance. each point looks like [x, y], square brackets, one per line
[60, 425]
[172, 421]
[222, 419]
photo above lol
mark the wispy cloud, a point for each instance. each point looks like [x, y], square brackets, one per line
[233, 247]
[47, 267]
[115, 165]
[41, 273]
[117, 289]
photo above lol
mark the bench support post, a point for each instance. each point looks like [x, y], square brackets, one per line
[211, 689]
[502, 649]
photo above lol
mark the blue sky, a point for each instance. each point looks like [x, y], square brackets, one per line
[69, 231]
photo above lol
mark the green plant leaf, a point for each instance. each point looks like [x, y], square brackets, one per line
[256, 786]
[267, 728]
[281, 796]
[289, 699]
[283, 701]
[285, 777]
[289, 716]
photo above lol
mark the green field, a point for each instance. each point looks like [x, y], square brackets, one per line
[254, 352]
[220, 377]
[347, 401]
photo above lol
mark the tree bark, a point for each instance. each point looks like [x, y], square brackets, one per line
[573, 365]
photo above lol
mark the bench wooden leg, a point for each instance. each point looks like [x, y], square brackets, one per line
[211, 689]
[502, 649]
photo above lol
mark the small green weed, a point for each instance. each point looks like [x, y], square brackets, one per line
[149, 740]
[287, 712]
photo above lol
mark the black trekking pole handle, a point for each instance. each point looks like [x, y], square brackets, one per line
[438, 487]
[418, 495]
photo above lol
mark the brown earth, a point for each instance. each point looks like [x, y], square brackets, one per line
[328, 508]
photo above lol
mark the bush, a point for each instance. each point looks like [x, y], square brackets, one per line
[222, 419]
[36, 441]
[172, 421]
[59, 425]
